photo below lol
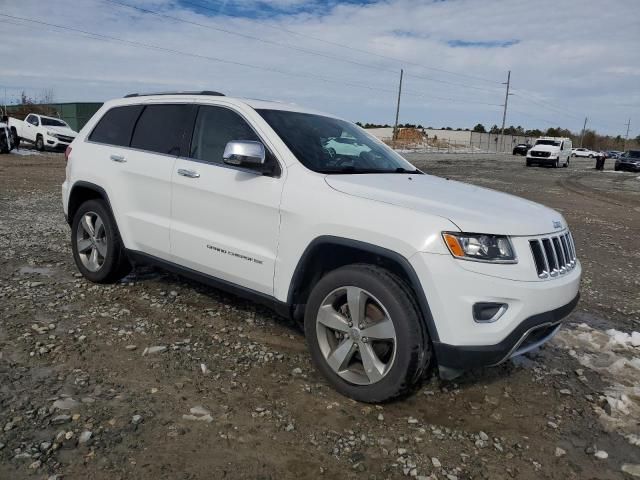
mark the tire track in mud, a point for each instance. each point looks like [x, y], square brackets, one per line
[572, 184]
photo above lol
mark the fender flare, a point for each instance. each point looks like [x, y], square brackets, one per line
[90, 186]
[400, 260]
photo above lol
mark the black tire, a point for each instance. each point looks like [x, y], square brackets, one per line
[617, 169]
[39, 143]
[590, 156]
[566, 164]
[528, 163]
[115, 263]
[413, 348]
[16, 138]
[556, 164]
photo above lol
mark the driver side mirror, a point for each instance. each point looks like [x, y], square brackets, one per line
[244, 153]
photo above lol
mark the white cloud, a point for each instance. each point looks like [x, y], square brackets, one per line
[580, 57]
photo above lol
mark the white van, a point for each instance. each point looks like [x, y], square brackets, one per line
[554, 151]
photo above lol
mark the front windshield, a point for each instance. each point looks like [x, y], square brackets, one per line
[328, 145]
[632, 154]
[52, 122]
[553, 143]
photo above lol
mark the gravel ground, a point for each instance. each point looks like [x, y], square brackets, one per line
[157, 377]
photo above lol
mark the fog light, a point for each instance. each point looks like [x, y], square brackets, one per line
[487, 312]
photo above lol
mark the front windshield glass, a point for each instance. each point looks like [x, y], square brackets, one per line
[632, 154]
[52, 122]
[328, 145]
[553, 143]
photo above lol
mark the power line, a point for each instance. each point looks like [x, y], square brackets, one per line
[286, 45]
[249, 37]
[108, 38]
[547, 105]
[356, 49]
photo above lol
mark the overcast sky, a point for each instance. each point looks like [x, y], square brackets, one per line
[568, 58]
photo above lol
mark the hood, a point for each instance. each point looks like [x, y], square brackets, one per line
[61, 130]
[545, 148]
[473, 209]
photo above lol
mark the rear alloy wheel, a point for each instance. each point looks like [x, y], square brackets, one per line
[39, 143]
[95, 241]
[365, 333]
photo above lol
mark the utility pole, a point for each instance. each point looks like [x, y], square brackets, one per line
[504, 114]
[626, 137]
[395, 126]
[584, 128]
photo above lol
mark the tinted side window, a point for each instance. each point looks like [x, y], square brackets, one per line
[116, 126]
[215, 127]
[33, 120]
[161, 128]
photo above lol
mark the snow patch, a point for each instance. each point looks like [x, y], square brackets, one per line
[615, 356]
[25, 152]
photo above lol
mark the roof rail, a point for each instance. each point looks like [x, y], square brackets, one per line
[202, 92]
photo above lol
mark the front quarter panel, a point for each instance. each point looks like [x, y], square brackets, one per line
[310, 209]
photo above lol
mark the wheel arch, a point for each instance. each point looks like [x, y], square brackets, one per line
[326, 253]
[80, 193]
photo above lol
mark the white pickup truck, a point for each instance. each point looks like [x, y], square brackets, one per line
[42, 131]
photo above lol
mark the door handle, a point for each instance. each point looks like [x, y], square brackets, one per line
[118, 158]
[188, 173]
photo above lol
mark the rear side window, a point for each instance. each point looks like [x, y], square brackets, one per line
[116, 126]
[161, 128]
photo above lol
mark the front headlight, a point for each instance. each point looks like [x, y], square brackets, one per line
[480, 247]
[52, 134]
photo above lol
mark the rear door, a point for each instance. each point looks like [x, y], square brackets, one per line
[142, 144]
[225, 219]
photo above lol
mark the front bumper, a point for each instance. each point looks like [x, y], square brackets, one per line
[56, 143]
[452, 288]
[542, 160]
[630, 167]
[531, 333]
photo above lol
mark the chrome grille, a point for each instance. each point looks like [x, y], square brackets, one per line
[65, 138]
[554, 255]
[535, 153]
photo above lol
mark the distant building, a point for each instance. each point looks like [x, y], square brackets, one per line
[76, 114]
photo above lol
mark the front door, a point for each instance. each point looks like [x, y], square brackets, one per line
[225, 220]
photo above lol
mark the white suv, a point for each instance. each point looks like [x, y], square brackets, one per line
[390, 270]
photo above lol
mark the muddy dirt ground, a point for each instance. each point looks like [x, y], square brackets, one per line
[231, 392]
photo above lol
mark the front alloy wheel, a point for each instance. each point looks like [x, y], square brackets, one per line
[356, 335]
[366, 334]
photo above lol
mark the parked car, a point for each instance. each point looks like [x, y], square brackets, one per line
[583, 152]
[629, 161]
[344, 146]
[6, 139]
[385, 266]
[612, 154]
[42, 131]
[522, 149]
[552, 151]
